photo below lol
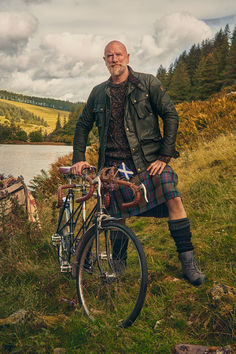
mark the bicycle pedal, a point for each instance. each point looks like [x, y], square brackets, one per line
[103, 256]
[56, 239]
[66, 267]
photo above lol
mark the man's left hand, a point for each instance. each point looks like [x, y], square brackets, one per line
[156, 167]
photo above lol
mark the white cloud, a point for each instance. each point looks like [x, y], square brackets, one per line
[70, 55]
[172, 35]
[82, 46]
[15, 30]
[69, 65]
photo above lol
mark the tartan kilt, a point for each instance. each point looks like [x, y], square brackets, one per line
[160, 188]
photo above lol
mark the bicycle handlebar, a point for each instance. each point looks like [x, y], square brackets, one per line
[110, 177]
[134, 189]
[90, 192]
[67, 170]
[104, 178]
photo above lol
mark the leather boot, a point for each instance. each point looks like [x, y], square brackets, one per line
[190, 268]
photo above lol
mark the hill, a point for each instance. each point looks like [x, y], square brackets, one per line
[174, 311]
[38, 101]
[49, 115]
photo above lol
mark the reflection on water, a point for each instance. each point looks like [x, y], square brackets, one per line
[29, 160]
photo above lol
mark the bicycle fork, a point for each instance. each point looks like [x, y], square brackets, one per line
[63, 238]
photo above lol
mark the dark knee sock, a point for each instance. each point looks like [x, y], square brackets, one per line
[180, 231]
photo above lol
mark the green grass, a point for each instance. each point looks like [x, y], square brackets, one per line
[174, 311]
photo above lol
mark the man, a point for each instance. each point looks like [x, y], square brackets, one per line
[126, 109]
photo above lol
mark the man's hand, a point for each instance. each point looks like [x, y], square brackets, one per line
[156, 167]
[78, 167]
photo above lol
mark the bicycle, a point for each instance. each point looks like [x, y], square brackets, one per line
[109, 262]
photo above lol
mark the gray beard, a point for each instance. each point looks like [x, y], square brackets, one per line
[117, 70]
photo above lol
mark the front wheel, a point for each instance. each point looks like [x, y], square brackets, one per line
[64, 247]
[114, 293]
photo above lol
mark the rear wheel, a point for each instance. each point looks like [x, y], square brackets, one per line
[115, 293]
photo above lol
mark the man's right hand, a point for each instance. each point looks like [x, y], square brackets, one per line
[78, 167]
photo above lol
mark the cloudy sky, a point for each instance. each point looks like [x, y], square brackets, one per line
[54, 48]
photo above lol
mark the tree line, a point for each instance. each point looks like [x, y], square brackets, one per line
[38, 101]
[12, 133]
[206, 69]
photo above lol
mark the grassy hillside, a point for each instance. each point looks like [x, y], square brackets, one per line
[48, 114]
[174, 311]
[206, 119]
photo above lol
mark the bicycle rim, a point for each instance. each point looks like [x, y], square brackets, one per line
[116, 294]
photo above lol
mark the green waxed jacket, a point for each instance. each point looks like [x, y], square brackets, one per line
[146, 100]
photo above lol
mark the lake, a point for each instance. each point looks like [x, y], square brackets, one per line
[29, 160]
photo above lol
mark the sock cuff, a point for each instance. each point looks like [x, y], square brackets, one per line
[178, 224]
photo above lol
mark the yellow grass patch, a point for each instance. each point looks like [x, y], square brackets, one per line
[199, 164]
[48, 114]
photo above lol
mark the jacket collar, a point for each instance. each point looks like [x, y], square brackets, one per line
[133, 81]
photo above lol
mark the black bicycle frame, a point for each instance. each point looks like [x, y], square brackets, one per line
[74, 217]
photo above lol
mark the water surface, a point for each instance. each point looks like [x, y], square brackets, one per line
[28, 160]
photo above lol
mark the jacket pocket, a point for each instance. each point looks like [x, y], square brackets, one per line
[98, 111]
[148, 128]
[142, 105]
[150, 148]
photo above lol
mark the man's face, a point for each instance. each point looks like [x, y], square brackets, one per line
[116, 59]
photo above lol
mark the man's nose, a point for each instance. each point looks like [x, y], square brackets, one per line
[115, 58]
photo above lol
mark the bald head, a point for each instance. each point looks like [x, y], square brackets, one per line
[116, 44]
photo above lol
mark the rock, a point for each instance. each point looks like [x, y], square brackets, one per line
[59, 351]
[224, 350]
[200, 349]
[52, 321]
[222, 291]
[157, 324]
[15, 318]
[171, 279]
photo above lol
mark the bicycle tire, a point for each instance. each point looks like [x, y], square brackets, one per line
[117, 295]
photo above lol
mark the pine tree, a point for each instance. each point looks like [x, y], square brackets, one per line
[206, 76]
[207, 47]
[162, 75]
[220, 52]
[58, 123]
[180, 86]
[64, 121]
[192, 61]
[230, 68]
